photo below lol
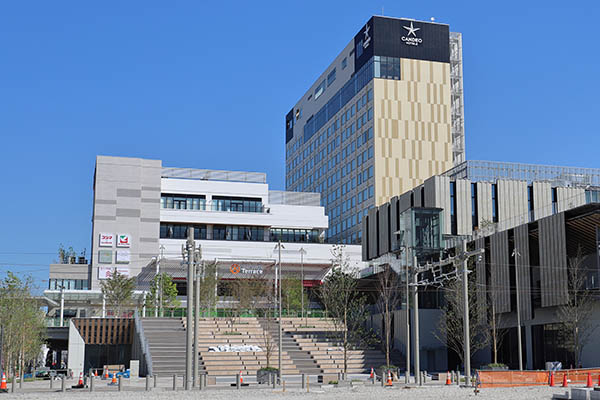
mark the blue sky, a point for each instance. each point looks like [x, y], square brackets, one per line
[207, 85]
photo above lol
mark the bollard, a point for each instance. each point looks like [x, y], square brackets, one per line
[147, 383]
[303, 378]
[339, 377]
[174, 382]
[91, 383]
[21, 380]
[63, 386]
[407, 376]
[200, 382]
[13, 383]
[424, 377]
[273, 380]
[307, 384]
[457, 378]
[120, 383]
[283, 383]
[373, 379]
[237, 381]
[155, 377]
[382, 378]
[51, 381]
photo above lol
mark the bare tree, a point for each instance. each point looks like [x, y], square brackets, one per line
[208, 286]
[345, 305]
[497, 333]
[576, 313]
[389, 298]
[450, 327]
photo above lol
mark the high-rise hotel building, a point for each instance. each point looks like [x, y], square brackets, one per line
[384, 116]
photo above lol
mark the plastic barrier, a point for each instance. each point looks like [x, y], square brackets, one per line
[488, 379]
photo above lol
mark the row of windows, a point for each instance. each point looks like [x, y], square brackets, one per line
[68, 284]
[182, 202]
[386, 67]
[238, 233]
[218, 203]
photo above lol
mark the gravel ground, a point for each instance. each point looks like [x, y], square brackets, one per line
[434, 392]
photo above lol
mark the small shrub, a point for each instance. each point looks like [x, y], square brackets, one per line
[333, 382]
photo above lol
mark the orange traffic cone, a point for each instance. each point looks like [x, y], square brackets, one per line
[565, 382]
[80, 383]
[241, 378]
[598, 379]
[589, 382]
[105, 376]
[3, 384]
[389, 379]
[114, 379]
[96, 373]
[552, 379]
[448, 379]
[372, 373]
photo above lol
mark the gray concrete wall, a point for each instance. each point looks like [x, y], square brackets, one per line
[126, 201]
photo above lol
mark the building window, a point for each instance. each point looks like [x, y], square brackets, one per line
[294, 235]
[344, 63]
[182, 202]
[494, 202]
[386, 67]
[331, 77]
[474, 213]
[179, 231]
[236, 204]
[453, 219]
[530, 204]
[320, 90]
[238, 233]
[554, 201]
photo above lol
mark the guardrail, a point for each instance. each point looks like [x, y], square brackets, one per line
[141, 347]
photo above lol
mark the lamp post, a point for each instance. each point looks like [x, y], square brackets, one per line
[302, 253]
[407, 321]
[516, 254]
[278, 274]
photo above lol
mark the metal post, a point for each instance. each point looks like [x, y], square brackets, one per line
[62, 305]
[303, 378]
[416, 324]
[91, 383]
[174, 382]
[63, 386]
[51, 382]
[302, 252]
[155, 379]
[200, 382]
[190, 306]
[237, 381]
[279, 246]
[197, 323]
[407, 378]
[518, 295]
[21, 375]
[120, 383]
[466, 329]
[147, 383]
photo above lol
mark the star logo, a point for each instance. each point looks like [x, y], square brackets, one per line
[367, 38]
[411, 30]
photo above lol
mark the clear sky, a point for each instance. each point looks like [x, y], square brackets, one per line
[207, 85]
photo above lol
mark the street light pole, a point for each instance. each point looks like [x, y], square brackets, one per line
[516, 254]
[302, 252]
[190, 307]
[466, 328]
[416, 324]
[278, 274]
[403, 248]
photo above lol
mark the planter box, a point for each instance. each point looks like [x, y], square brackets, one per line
[263, 376]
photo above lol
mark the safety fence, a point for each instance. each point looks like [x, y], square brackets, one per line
[488, 379]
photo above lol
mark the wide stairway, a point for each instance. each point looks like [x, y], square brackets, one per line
[166, 339]
[316, 338]
[238, 332]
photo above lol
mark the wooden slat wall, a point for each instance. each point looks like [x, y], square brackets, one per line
[481, 279]
[523, 268]
[105, 330]
[553, 260]
[500, 272]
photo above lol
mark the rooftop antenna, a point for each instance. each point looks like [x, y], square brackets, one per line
[382, 11]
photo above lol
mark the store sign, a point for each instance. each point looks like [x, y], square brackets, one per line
[107, 239]
[123, 257]
[411, 40]
[123, 240]
[105, 256]
[236, 269]
[106, 272]
[367, 38]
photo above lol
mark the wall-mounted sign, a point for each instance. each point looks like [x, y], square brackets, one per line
[123, 240]
[252, 271]
[105, 272]
[411, 40]
[235, 269]
[123, 257]
[107, 239]
[105, 256]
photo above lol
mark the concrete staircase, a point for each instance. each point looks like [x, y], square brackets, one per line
[302, 359]
[166, 339]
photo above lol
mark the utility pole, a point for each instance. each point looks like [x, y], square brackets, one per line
[190, 307]
[302, 252]
[466, 328]
[516, 254]
[416, 324]
[197, 318]
[278, 274]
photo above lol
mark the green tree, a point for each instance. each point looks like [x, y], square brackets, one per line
[22, 321]
[291, 293]
[118, 290]
[163, 292]
[64, 254]
[208, 286]
[345, 305]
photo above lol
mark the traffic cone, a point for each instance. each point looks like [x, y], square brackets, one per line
[114, 380]
[589, 381]
[565, 383]
[598, 379]
[96, 373]
[373, 372]
[389, 379]
[80, 383]
[552, 379]
[3, 384]
[448, 379]
[241, 378]
[105, 376]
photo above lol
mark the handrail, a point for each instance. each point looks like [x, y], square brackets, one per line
[143, 343]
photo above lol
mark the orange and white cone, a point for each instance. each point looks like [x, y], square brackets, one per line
[552, 379]
[114, 379]
[589, 382]
[372, 373]
[241, 378]
[448, 379]
[96, 373]
[80, 383]
[565, 381]
[3, 383]
[105, 376]
[389, 379]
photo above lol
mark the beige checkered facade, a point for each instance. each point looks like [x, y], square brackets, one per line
[412, 127]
